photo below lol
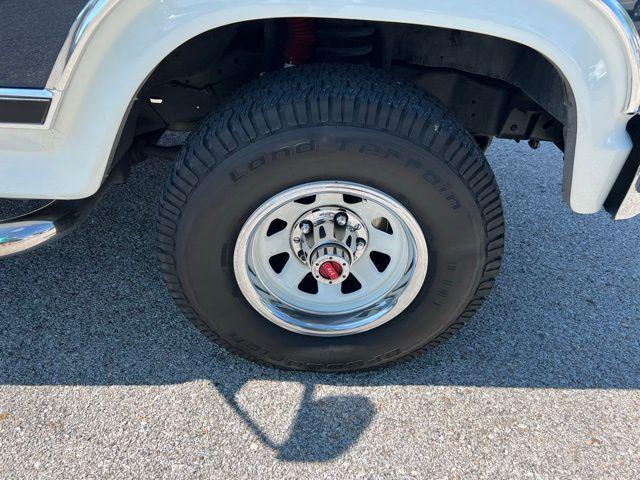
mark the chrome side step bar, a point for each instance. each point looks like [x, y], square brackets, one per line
[42, 226]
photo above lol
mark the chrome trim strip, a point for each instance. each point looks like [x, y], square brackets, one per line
[630, 40]
[81, 31]
[93, 13]
[25, 93]
[36, 94]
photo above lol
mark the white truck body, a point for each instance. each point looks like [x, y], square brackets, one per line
[116, 44]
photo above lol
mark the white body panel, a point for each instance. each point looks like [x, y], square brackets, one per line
[68, 159]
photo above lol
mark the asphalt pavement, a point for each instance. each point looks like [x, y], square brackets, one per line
[102, 377]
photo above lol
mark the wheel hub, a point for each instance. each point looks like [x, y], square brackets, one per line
[330, 229]
[330, 270]
[330, 263]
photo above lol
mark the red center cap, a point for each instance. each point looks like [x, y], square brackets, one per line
[330, 270]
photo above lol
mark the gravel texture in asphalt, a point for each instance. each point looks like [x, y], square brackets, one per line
[101, 375]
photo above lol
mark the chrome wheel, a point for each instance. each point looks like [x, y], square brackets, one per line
[330, 259]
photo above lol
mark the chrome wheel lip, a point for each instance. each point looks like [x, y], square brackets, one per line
[413, 287]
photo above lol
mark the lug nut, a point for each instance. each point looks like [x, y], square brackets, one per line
[306, 227]
[360, 244]
[341, 219]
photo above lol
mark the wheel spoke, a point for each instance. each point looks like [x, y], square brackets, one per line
[293, 273]
[329, 293]
[369, 211]
[289, 212]
[366, 272]
[276, 243]
[325, 199]
[383, 242]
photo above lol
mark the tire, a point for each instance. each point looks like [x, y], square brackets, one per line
[338, 123]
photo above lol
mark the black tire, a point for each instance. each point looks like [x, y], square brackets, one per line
[398, 139]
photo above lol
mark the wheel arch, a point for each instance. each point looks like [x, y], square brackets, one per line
[111, 36]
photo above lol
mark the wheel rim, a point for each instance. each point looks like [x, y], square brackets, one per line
[330, 259]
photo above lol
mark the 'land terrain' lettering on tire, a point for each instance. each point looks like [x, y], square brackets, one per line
[430, 177]
[286, 151]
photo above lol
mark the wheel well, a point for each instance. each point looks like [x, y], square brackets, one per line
[496, 87]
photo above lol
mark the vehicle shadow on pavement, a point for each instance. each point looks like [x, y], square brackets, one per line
[92, 310]
[322, 429]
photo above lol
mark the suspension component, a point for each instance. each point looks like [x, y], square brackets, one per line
[345, 42]
[301, 40]
[331, 42]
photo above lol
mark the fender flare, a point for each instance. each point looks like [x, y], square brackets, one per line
[115, 44]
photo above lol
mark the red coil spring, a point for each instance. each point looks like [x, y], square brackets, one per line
[301, 41]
